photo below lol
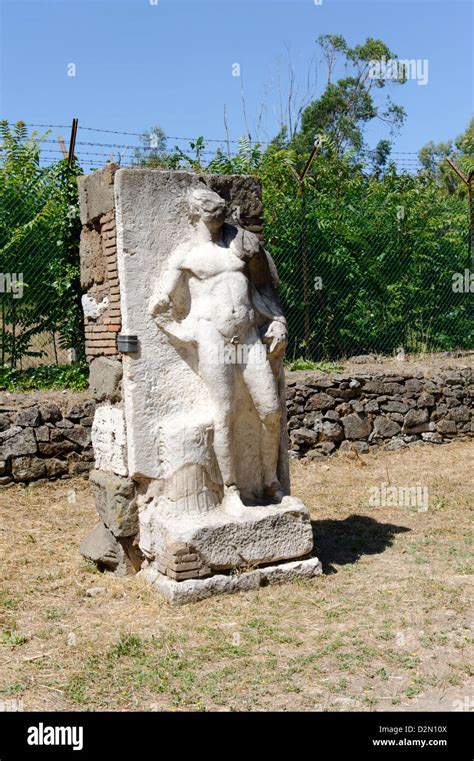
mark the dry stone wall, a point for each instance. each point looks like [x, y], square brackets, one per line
[48, 435]
[44, 436]
[357, 412]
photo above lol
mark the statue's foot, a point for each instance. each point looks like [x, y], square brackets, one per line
[232, 503]
[274, 492]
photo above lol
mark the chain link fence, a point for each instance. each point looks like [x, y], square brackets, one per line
[35, 305]
[362, 274]
[372, 268]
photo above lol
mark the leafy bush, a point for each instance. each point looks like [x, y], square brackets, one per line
[39, 241]
[73, 377]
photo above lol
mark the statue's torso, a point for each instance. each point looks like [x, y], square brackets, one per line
[219, 288]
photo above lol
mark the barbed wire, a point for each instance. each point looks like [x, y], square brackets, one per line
[223, 140]
[405, 161]
[138, 134]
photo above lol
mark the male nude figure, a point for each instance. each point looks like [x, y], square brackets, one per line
[227, 310]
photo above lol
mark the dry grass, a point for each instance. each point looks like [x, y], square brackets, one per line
[387, 627]
[430, 364]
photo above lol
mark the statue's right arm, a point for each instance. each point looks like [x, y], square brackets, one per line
[161, 299]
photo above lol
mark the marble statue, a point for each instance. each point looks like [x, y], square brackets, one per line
[235, 325]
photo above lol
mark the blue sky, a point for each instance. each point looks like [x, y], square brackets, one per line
[139, 64]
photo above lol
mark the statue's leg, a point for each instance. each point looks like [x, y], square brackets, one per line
[263, 389]
[218, 376]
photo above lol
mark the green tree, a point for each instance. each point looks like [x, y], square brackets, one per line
[433, 159]
[152, 153]
[39, 242]
[349, 104]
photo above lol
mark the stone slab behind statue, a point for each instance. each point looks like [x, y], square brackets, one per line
[152, 220]
[154, 430]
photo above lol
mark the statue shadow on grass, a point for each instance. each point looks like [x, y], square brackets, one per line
[346, 541]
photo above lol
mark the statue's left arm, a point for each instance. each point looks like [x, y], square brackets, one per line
[264, 280]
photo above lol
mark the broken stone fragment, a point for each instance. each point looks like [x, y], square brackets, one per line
[102, 548]
[105, 377]
[115, 499]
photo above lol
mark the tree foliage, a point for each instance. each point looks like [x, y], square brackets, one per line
[39, 243]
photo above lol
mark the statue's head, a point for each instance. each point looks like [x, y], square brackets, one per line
[207, 206]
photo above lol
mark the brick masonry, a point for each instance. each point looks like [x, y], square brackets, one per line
[99, 274]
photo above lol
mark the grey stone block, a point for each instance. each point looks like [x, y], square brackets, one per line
[30, 416]
[42, 433]
[433, 437]
[394, 444]
[28, 468]
[4, 422]
[460, 414]
[193, 590]
[79, 435]
[55, 468]
[320, 401]
[96, 193]
[115, 499]
[446, 427]
[105, 378]
[415, 417]
[50, 412]
[356, 427]
[392, 406]
[331, 431]
[56, 448]
[385, 428]
[19, 442]
[304, 436]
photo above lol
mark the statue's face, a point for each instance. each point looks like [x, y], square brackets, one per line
[210, 207]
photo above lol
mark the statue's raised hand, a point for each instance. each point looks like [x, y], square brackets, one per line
[276, 337]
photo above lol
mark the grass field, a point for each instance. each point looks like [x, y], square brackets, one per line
[388, 626]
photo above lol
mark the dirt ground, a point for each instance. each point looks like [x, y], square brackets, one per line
[387, 627]
[429, 364]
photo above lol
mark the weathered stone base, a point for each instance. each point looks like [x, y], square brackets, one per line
[225, 539]
[193, 590]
